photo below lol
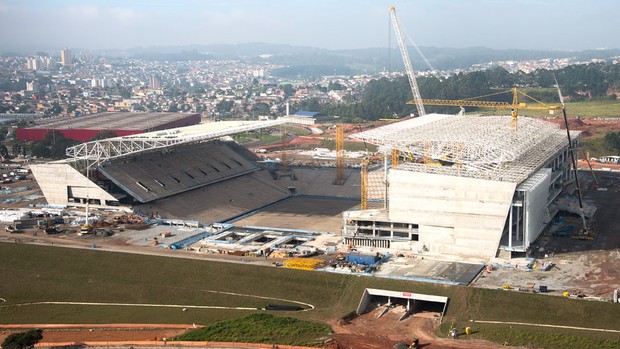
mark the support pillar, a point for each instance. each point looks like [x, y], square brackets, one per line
[510, 227]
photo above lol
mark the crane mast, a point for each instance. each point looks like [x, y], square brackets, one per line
[407, 62]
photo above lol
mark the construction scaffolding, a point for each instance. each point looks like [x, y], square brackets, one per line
[484, 147]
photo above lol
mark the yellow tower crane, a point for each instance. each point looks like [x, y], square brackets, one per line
[473, 102]
[339, 155]
[364, 184]
[395, 157]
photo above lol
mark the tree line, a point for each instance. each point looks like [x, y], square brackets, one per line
[385, 98]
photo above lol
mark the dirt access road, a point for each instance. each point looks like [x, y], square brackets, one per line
[369, 332]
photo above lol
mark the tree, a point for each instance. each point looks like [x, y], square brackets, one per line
[22, 340]
[4, 152]
[612, 140]
[103, 135]
[173, 108]
[17, 147]
[224, 106]
[288, 89]
[3, 133]
[56, 109]
[261, 109]
[334, 86]
[39, 149]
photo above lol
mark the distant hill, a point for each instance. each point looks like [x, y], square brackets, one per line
[367, 60]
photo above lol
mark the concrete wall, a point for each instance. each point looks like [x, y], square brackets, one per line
[56, 179]
[536, 206]
[455, 215]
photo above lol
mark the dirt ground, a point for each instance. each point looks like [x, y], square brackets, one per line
[369, 332]
[364, 332]
[101, 333]
[582, 267]
[589, 127]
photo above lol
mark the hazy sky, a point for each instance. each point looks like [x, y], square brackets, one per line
[106, 24]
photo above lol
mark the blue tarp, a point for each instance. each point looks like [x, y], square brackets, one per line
[362, 259]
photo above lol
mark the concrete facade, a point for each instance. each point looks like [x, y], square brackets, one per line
[63, 185]
[455, 215]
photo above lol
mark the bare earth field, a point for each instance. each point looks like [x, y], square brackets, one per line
[586, 267]
[369, 332]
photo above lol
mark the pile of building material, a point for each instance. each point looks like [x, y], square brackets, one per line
[304, 263]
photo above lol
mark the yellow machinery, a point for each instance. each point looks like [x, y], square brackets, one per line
[395, 158]
[473, 102]
[364, 184]
[303, 263]
[339, 155]
[85, 229]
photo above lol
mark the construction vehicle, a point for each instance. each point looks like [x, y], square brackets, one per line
[85, 229]
[47, 226]
[120, 219]
[585, 233]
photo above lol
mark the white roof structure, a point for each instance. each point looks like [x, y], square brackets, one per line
[485, 147]
[102, 150]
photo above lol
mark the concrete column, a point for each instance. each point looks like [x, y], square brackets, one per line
[510, 227]
[518, 219]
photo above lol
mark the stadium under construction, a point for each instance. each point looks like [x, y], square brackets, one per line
[464, 186]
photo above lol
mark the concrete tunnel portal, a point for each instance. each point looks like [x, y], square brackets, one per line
[413, 302]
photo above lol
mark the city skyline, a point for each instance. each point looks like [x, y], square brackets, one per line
[97, 24]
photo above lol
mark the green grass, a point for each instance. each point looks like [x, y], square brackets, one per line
[594, 109]
[31, 273]
[359, 146]
[262, 328]
[265, 136]
[603, 108]
[597, 147]
[530, 336]
[300, 131]
[243, 138]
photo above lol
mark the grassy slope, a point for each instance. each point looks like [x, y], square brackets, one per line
[262, 328]
[37, 273]
[582, 109]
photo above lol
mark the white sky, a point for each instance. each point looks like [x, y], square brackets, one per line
[501, 24]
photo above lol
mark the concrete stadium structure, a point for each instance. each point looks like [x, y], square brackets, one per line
[190, 173]
[471, 187]
[474, 186]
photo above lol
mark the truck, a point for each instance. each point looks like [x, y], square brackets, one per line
[85, 229]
